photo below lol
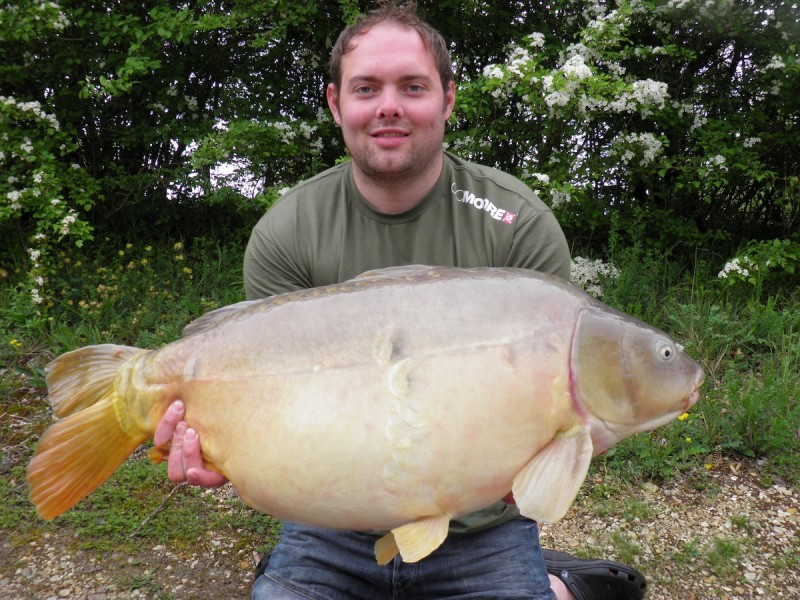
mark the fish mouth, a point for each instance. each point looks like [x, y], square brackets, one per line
[607, 433]
[694, 396]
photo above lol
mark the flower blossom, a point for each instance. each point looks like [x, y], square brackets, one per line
[577, 68]
[740, 266]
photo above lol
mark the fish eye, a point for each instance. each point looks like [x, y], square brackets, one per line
[666, 351]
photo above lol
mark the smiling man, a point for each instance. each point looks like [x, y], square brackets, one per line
[392, 106]
[402, 200]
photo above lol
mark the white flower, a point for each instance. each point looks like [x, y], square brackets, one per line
[586, 274]
[544, 178]
[776, 63]
[322, 115]
[559, 198]
[650, 145]
[493, 72]
[648, 91]
[557, 99]
[737, 265]
[518, 59]
[307, 130]
[576, 67]
[536, 40]
[751, 141]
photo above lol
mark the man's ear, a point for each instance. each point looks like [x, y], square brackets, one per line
[449, 99]
[332, 95]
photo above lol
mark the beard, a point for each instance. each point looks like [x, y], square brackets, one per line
[389, 167]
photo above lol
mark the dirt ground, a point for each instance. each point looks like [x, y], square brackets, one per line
[729, 538]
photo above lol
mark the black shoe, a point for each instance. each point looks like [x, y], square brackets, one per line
[262, 565]
[596, 579]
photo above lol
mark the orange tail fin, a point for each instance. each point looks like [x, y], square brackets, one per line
[81, 450]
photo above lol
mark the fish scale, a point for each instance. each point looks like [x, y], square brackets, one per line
[396, 401]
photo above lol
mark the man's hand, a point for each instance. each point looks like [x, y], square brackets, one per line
[185, 462]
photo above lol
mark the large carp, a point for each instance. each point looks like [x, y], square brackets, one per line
[395, 401]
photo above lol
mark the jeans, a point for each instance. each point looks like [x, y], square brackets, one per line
[321, 564]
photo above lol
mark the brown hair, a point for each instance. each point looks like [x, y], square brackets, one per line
[404, 14]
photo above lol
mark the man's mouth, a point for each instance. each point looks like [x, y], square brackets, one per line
[389, 134]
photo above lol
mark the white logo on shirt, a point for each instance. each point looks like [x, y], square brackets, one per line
[484, 204]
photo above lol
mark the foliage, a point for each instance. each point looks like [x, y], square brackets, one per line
[749, 348]
[119, 117]
[767, 266]
[128, 293]
[139, 142]
[683, 111]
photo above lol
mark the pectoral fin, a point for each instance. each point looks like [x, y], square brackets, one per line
[413, 541]
[547, 486]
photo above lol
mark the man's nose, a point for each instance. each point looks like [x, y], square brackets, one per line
[390, 106]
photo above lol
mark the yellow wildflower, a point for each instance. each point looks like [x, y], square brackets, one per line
[187, 270]
[16, 343]
[179, 257]
[688, 440]
[129, 245]
[178, 246]
[148, 248]
[683, 417]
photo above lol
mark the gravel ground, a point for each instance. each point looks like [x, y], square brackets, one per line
[721, 534]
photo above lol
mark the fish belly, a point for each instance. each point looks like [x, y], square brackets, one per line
[385, 427]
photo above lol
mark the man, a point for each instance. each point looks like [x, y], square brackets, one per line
[402, 200]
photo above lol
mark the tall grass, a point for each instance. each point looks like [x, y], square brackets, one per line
[748, 342]
[143, 295]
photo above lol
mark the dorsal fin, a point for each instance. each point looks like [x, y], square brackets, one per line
[216, 317]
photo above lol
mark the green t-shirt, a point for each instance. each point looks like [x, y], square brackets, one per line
[323, 232]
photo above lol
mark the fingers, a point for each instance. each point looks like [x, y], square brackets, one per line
[175, 469]
[193, 465]
[166, 426]
[185, 460]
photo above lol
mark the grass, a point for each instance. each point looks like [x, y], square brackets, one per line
[122, 294]
[749, 347]
[145, 294]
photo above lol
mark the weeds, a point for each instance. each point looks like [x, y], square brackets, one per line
[749, 347]
[144, 295]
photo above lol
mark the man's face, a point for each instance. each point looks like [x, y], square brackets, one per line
[391, 105]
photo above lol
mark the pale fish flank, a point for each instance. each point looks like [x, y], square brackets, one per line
[396, 401]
